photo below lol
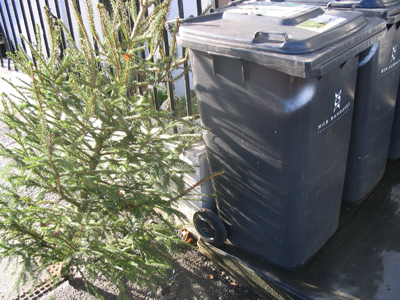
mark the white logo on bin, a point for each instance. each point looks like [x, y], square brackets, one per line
[394, 50]
[338, 98]
[394, 61]
[339, 110]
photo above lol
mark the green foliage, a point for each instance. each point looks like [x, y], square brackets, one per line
[183, 105]
[91, 148]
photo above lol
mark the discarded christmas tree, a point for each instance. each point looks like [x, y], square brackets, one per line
[91, 146]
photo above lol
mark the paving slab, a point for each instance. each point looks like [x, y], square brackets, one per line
[360, 261]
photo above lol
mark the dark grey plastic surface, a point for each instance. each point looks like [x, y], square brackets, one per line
[360, 262]
[283, 145]
[374, 109]
[358, 4]
[280, 127]
[269, 44]
[238, 14]
[375, 99]
[282, 35]
[389, 13]
[394, 147]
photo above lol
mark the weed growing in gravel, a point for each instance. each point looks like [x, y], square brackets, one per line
[92, 147]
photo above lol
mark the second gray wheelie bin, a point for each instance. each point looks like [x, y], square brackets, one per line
[374, 100]
[275, 84]
[394, 147]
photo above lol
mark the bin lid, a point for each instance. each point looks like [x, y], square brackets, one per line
[391, 13]
[359, 3]
[385, 9]
[259, 31]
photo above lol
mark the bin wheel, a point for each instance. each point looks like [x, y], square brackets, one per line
[210, 227]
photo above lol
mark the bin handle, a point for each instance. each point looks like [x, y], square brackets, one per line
[265, 37]
[370, 54]
[335, 4]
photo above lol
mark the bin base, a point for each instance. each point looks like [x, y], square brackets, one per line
[361, 260]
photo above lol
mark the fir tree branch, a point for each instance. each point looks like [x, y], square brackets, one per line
[90, 58]
[140, 17]
[77, 239]
[31, 234]
[64, 68]
[103, 15]
[116, 13]
[87, 136]
[92, 25]
[194, 186]
[91, 105]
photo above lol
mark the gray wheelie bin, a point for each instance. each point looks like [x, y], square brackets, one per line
[275, 84]
[374, 105]
[394, 147]
[374, 100]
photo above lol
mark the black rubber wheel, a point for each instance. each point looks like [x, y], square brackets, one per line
[210, 227]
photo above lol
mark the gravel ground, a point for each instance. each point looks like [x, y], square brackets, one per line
[193, 275]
